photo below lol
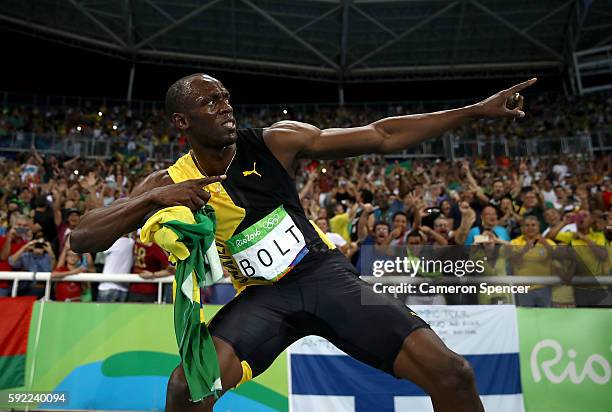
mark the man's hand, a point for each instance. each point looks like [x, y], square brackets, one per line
[190, 193]
[506, 103]
[467, 212]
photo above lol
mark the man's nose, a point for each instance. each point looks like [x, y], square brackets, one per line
[227, 107]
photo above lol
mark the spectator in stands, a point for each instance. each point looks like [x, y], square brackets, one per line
[590, 257]
[118, 260]
[399, 229]
[418, 250]
[552, 217]
[335, 238]
[487, 251]
[69, 263]
[375, 245]
[150, 262]
[531, 254]
[510, 219]
[34, 256]
[532, 205]
[442, 226]
[19, 234]
[566, 183]
[44, 218]
[489, 223]
[65, 221]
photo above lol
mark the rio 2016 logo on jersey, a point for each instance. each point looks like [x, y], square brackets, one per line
[269, 248]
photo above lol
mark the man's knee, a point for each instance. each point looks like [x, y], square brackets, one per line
[455, 373]
[177, 384]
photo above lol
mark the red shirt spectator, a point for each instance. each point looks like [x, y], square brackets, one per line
[17, 241]
[148, 257]
[68, 291]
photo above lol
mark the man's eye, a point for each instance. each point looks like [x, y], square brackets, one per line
[210, 103]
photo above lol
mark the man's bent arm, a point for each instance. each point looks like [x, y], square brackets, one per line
[289, 140]
[100, 228]
[392, 134]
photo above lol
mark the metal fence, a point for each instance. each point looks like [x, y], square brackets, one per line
[449, 146]
[386, 280]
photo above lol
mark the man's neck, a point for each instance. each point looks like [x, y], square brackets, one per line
[213, 161]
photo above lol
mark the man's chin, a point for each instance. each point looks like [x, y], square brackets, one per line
[230, 138]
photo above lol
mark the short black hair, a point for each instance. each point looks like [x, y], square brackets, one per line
[400, 213]
[366, 196]
[383, 223]
[414, 233]
[176, 94]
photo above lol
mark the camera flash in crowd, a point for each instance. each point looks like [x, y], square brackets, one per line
[76, 172]
[79, 128]
[99, 114]
[114, 127]
[285, 111]
[324, 170]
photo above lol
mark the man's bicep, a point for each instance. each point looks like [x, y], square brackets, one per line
[339, 143]
[290, 140]
[287, 139]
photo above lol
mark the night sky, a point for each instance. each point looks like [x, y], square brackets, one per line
[37, 66]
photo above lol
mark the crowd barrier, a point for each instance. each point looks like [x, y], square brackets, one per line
[106, 356]
[385, 280]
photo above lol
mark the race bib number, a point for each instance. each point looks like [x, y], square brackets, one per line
[269, 248]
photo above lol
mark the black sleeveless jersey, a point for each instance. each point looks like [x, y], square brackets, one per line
[256, 185]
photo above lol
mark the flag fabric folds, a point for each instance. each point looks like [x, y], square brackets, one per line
[190, 240]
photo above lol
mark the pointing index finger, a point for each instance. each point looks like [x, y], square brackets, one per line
[521, 86]
[211, 179]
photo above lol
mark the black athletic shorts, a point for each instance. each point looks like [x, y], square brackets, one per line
[321, 296]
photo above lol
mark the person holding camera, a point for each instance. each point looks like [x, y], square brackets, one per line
[18, 235]
[34, 256]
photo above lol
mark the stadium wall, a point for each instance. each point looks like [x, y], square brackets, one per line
[119, 357]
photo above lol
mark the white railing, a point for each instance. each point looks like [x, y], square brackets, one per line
[87, 277]
[386, 280]
[492, 280]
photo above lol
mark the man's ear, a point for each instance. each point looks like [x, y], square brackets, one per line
[180, 121]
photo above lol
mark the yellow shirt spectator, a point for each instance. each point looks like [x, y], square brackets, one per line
[589, 263]
[340, 224]
[537, 261]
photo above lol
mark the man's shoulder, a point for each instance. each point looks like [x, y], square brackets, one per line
[289, 128]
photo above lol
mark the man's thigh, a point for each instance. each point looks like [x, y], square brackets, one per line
[258, 324]
[367, 325]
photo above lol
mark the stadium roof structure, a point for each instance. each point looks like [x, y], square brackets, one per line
[331, 40]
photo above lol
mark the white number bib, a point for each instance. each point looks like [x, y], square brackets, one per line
[269, 248]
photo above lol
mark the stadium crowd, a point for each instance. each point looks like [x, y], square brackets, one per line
[523, 216]
[130, 131]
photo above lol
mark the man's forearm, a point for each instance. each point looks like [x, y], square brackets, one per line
[405, 131]
[100, 228]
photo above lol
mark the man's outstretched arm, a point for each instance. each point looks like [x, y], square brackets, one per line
[100, 228]
[289, 140]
